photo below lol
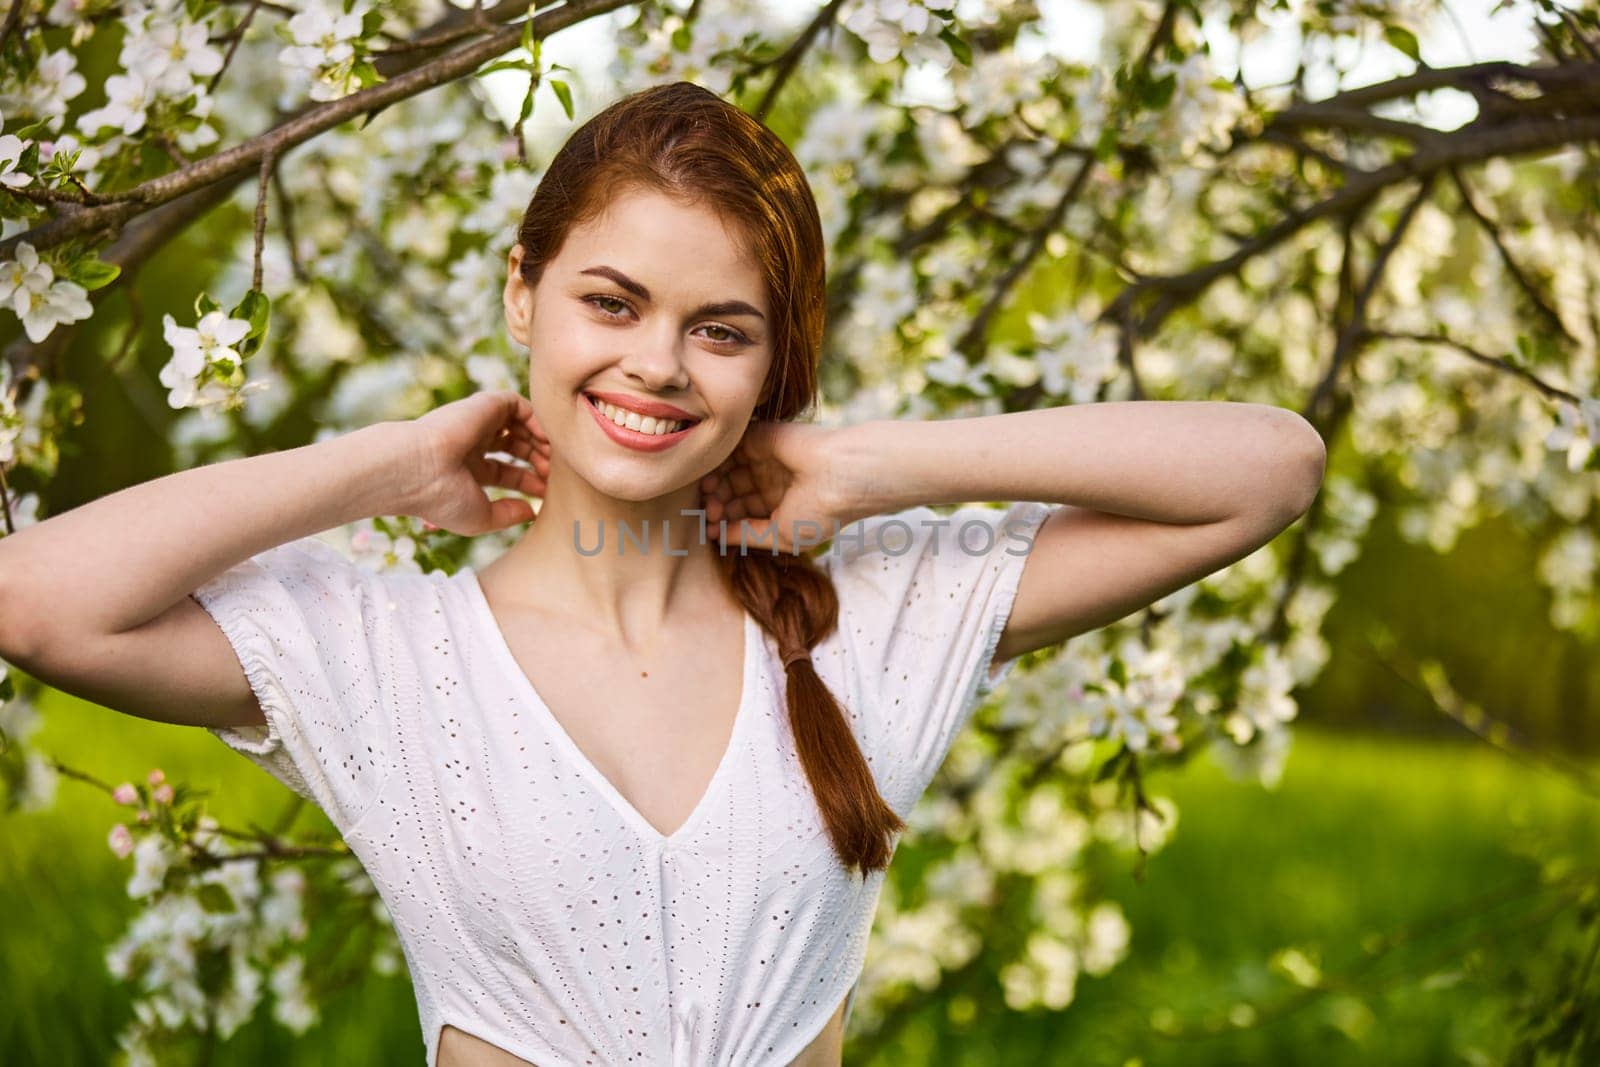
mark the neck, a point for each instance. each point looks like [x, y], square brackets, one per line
[629, 568]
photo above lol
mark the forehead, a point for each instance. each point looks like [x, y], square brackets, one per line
[670, 246]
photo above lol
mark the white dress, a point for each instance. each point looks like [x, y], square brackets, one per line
[536, 908]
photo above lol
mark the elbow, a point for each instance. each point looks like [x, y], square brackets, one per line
[14, 624]
[1304, 464]
[1288, 476]
[22, 625]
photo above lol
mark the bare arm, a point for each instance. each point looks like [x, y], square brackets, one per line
[1155, 494]
[97, 598]
[1172, 461]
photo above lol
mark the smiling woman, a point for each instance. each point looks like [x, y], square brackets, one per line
[650, 830]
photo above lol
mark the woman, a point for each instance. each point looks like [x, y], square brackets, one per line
[629, 791]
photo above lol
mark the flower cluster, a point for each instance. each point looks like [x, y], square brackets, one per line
[205, 370]
[30, 289]
[898, 29]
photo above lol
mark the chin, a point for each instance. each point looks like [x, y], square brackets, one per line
[637, 487]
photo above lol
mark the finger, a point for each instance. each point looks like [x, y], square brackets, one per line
[522, 448]
[505, 475]
[532, 484]
[742, 481]
[520, 411]
[752, 531]
[509, 511]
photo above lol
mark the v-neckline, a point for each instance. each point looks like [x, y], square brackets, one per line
[519, 677]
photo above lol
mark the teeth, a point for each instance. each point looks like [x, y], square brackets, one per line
[645, 424]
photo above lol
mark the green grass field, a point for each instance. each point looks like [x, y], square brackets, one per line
[1364, 835]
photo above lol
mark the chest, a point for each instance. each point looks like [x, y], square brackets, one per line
[655, 723]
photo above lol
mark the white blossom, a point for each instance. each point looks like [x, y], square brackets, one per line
[11, 149]
[1075, 355]
[898, 29]
[324, 37]
[170, 55]
[291, 999]
[53, 82]
[376, 550]
[39, 299]
[151, 858]
[195, 351]
[128, 98]
[1577, 431]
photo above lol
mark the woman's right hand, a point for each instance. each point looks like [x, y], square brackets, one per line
[452, 471]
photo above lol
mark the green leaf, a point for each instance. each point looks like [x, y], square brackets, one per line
[962, 50]
[563, 94]
[1112, 765]
[1518, 356]
[366, 74]
[506, 64]
[204, 305]
[215, 899]
[33, 128]
[92, 272]
[1157, 94]
[371, 23]
[254, 308]
[1403, 40]
[1105, 146]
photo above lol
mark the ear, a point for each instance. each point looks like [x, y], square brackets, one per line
[518, 298]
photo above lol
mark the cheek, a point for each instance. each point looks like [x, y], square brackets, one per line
[565, 357]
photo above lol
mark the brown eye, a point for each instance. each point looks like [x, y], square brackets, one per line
[595, 301]
[733, 337]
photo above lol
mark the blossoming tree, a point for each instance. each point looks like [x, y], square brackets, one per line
[1052, 231]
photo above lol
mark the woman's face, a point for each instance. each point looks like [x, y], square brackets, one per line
[656, 309]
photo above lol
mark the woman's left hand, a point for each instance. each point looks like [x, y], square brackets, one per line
[782, 478]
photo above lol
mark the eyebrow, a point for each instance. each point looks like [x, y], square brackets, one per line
[723, 307]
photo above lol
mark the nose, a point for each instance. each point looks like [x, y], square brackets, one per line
[656, 365]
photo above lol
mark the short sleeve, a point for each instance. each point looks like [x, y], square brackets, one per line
[923, 600]
[312, 630]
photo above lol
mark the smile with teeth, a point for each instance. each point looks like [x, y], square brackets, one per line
[645, 424]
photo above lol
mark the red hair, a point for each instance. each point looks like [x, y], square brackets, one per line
[688, 143]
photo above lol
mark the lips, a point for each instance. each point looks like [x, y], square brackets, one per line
[644, 438]
[643, 406]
